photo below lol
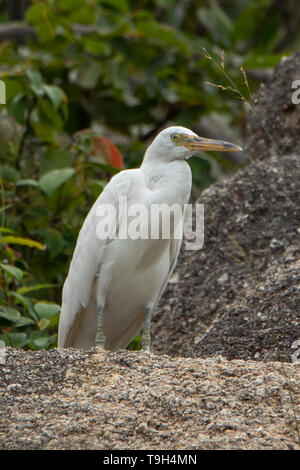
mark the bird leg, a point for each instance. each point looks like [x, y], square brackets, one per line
[100, 338]
[146, 338]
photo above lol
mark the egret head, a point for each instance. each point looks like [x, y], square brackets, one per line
[178, 143]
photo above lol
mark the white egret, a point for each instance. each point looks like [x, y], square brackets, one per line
[113, 285]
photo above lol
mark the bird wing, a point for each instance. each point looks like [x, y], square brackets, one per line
[127, 334]
[175, 244]
[87, 258]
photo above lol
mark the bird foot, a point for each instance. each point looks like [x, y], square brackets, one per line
[146, 341]
[100, 339]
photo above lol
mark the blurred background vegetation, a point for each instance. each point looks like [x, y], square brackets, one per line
[90, 80]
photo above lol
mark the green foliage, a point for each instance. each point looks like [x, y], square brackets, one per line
[128, 67]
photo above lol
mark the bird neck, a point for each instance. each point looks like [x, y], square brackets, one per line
[168, 177]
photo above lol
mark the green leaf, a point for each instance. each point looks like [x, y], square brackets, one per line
[34, 77]
[68, 5]
[6, 230]
[261, 60]
[9, 313]
[45, 310]
[121, 5]
[43, 323]
[53, 321]
[8, 173]
[55, 94]
[27, 182]
[53, 240]
[83, 15]
[43, 342]
[16, 340]
[13, 87]
[26, 302]
[53, 117]
[24, 321]
[13, 271]
[54, 159]
[162, 33]
[25, 290]
[94, 45]
[17, 107]
[40, 15]
[109, 169]
[246, 22]
[112, 25]
[4, 339]
[55, 178]
[4, 208]
[86, 75]
[11, 240]
[46, 122]
[40, 340]
[136, 344]
[38, 91]
[217, 22]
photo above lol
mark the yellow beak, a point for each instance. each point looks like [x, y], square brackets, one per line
[201, 144]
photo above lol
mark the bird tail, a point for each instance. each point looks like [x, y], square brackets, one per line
[120, 340]
[80, 332]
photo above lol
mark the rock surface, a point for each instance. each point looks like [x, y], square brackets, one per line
[72, 399]
[240, 295]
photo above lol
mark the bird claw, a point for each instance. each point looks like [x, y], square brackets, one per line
[146, 341]
[97, 349]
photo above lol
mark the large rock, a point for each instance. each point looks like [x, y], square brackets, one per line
[240, 295]
[74, 399]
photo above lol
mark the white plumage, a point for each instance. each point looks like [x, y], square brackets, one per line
[114, 284]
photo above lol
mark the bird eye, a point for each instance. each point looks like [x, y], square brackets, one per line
[174, 137]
